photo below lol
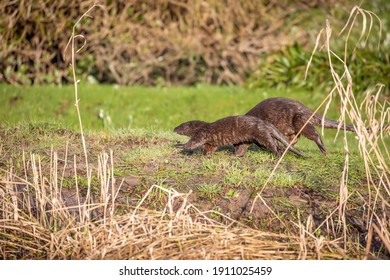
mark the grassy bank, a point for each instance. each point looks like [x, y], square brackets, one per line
[137, 172]
[42, 166]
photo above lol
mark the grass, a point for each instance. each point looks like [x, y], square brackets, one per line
[139, 110]
[136, 107]
[209, 191]
[145, 155]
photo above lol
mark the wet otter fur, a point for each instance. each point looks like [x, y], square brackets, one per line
[289, 116]
[233, 130]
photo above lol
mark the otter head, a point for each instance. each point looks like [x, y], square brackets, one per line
[189, 128]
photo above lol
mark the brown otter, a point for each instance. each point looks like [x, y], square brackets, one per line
[233, 130]
[289, 116]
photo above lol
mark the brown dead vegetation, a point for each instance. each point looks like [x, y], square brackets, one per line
[148, 42]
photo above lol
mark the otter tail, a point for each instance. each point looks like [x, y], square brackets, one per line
[280, 137]
[328, 123]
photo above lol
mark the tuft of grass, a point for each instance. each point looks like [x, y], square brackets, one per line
[209, 191]
[280, 179]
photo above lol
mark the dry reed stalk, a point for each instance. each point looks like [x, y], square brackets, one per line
[71, 42]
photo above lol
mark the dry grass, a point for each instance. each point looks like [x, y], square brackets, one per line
[37, 223]
[369, 113]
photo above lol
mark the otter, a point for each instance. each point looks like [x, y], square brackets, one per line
[239, 131]
[289, 116]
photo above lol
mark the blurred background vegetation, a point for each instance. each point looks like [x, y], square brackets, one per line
[186, 42]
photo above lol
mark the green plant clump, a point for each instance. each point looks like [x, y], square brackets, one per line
[286, 68]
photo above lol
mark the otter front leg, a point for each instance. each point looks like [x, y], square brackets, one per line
[208, 150]
[195, 142]
[240, 149]
[192, 145]
[310, 132]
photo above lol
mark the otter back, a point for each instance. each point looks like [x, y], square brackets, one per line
[289, 116]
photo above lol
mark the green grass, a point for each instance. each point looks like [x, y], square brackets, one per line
[209, 190]
[150, 109]
[32, 121]
[135, 107]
